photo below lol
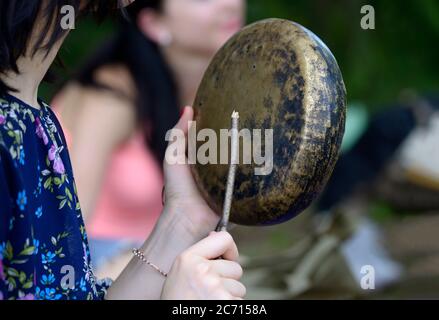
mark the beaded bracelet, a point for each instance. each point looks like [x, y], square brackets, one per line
[142, 258]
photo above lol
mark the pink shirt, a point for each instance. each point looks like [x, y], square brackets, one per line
[130, 200]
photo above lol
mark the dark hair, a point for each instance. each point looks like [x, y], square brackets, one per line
[156, 91]
[17, 21]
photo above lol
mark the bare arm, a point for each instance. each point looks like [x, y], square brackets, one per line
[102, 124]
[167, 241]
[98, 121]
[185, 220]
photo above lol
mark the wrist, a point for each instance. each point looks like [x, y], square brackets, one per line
[170, 237]
[195, 222]
[172, 234]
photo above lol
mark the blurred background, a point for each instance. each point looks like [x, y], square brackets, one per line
[376, 64]
[381, 207]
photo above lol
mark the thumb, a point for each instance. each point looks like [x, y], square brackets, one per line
[186, 116]
[177, 175]
[182, 125]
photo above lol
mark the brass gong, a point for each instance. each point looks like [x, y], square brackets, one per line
[278, 75]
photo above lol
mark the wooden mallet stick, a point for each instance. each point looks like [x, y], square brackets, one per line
[234, 154]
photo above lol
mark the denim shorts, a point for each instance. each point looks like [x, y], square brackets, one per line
[103, 250]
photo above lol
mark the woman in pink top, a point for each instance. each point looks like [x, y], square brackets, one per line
[127, 97]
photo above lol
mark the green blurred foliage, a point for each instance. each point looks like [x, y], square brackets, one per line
[401, 53]
[79, 45]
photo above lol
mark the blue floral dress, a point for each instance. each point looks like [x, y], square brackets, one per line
[43, 244]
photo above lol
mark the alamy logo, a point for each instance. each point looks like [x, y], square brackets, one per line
[368, 20]
[215, 150]
[368, 278]
[68, 18]
[68, 280]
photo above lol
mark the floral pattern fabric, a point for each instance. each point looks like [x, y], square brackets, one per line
[44, 250]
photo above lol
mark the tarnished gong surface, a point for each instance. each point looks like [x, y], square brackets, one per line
[279, 76]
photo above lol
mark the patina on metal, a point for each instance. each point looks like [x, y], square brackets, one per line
[278, 75]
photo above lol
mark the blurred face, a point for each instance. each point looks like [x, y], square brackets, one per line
[202, 26]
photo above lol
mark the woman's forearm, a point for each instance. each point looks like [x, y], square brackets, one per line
[169, 238]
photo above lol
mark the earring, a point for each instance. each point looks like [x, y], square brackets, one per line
[166, 39]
